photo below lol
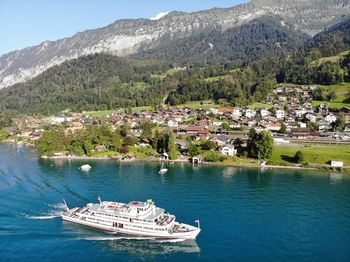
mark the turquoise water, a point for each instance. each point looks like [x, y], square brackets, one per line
[245, 214]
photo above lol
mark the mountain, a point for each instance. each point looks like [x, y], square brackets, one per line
[143, 36]
[92, 82]
[333, 40]
[261, 37]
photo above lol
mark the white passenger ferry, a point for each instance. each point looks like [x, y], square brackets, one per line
[135, 218]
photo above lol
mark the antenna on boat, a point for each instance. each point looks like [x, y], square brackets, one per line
[99, 199]
[198, 223]
[65, 205]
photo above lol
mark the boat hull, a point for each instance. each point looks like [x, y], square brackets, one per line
[190, 235]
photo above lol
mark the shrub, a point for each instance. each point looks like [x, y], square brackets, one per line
[299, 157]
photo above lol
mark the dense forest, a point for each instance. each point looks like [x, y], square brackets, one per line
[262, 37]
[103, 81]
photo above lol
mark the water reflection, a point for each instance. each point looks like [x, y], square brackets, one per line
[229, 172]
[260, 180]
[335, 178]
[149, 247]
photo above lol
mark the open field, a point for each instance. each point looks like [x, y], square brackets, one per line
[260, 106]
[332, 59]
[342, 99]
[197, 105]
[316, 154]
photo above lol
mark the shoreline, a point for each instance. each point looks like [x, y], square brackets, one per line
[344, 170]
[140, 160]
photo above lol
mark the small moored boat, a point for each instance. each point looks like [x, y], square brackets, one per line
[163, 171]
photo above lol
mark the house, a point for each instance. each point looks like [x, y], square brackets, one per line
[75, 126]
[222, 140]
[236, 114]
[235, 124]
[228, 150]
[250, 113]
[223, 110]
[264, 113]
[199, 131]
[100, 148]
[172, 123]
[330, 118]
[300, 113]
[311, 117]
[337, 163]
[280, 114]
[182, 144]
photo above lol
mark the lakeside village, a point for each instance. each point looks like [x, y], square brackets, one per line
[288, 131]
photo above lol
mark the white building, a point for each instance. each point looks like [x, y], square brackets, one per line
[228, 150]
[280, 114]
[337, 163]
[330, 118]
[236, 114]
[264, 113]
[250, 113]
[172, 123]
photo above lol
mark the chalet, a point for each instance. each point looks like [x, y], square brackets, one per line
[330, 118]
[75, 126]
[280, 114]
[311, 117]
[235, 124]
[199, 131]
[223, 110]
[236, 114]
[222, 140]
[228, 150]
[250, 113]
[264, 113]
[172, 123]
[100, 148]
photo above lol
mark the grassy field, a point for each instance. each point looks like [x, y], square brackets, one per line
[260, 106]
[317, 154]
[169, 72]
[105, 154]
[100, 113]
[332, 59]
[197, 105]
[342, 99]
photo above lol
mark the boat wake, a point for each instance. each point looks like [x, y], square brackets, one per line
[114, 238]
[58, 208]
[40, 217]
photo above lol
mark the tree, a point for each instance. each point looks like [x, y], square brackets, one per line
[339, 124]
[172, 149]
[124, 129]
[299, 157]
[130, 141]
[260, 145]
[283, 129]
[331, 95]
[51, 142]
[208, 145]
[117, 141]
[193, 150]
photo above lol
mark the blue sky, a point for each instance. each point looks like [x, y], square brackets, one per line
[30, 22]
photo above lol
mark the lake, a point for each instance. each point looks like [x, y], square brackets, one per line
[245, 214]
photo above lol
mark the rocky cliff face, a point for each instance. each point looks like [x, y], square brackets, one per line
[127, 37]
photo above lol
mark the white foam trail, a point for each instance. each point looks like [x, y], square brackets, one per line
[106, 238]
[41, 217]
[171, 240]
